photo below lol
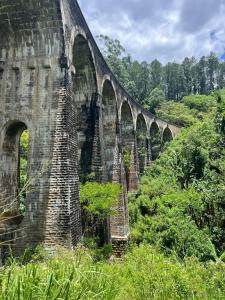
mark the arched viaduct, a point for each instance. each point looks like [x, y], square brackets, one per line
[55, 82]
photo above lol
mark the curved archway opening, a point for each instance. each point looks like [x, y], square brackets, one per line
[155, 140]
[85, 97]
[16, 156]
[167, 137]
[109, 115]
[128, 138]
[141, 129]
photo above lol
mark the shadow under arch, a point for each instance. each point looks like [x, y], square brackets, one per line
[12, 152]
[141, 129]
[128, 140]
[13, 181]
[110, 121]
[85, 96]
[167, 136]
[155, 140]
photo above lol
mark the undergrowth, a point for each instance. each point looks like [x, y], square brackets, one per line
[144, 274]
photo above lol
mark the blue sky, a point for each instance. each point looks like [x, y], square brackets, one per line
[168, 30]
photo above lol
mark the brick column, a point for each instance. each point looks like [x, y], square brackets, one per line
[63, 219]
[149, 152]
[134, 165]
[97, 153]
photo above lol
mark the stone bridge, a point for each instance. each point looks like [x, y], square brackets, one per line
[55, 83]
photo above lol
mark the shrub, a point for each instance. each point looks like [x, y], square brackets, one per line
[177, 113]
[200, 102]
[99, 199]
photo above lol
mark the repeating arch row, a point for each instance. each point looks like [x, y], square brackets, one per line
[85, 93]
[81, 38]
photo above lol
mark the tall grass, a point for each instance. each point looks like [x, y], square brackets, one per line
[144, 274]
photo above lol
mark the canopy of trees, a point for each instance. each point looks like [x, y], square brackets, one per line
[151, 82]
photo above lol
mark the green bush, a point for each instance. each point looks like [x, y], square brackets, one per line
[99, 199]
[200, 102]
[177, 113]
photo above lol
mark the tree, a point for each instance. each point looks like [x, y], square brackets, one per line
[98, 202]
[138, 79]
[156, 72]
[24, 146]
[187, 66]
[99, 199]
[176, 80]
[113, 52]
[221, 75]
[172, 81]
[201, 73]
[212, 67]
[154, 100]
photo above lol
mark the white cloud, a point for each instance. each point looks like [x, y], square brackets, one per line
[164, 29]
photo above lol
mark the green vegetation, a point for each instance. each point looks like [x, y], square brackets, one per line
[99, 199]
[188, 111]
[144, 274]
[24, 147]
[200, 102]
[98, 203]
[180, 205]
[154, 100]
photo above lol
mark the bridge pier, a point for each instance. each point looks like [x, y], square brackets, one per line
[97, 165]
[149, 154]
[63, 215]
[133, 172]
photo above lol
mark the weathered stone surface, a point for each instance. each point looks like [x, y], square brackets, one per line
[55, 82]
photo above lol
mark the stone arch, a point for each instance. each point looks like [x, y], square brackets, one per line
[167, 136]
[110, 120]
[128, 141]
[14, 167]
[127, 124]
[155, 140]
[85, 95]
[141, 129]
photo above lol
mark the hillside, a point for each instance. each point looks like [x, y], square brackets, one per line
[180, 205]
[177, 241]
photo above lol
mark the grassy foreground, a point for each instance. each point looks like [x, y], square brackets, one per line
[144, 274]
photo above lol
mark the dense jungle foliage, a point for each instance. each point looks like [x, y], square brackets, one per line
[180, 207]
